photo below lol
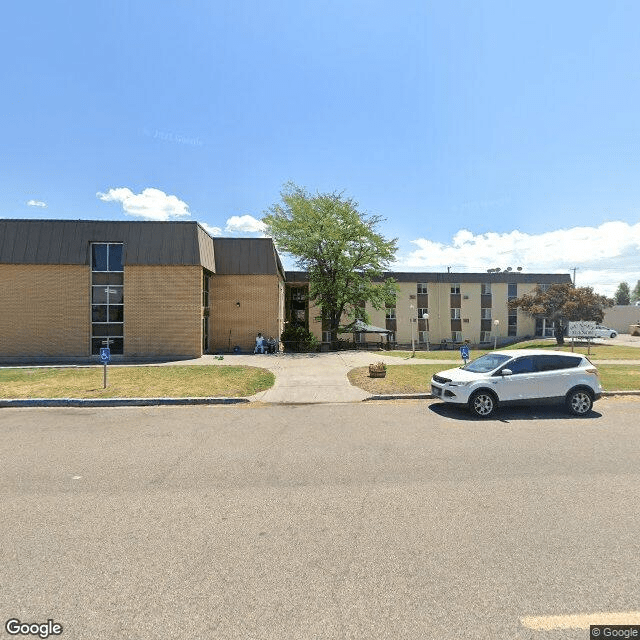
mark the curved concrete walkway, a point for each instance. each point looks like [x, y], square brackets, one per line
[308, 377]
[312, 377]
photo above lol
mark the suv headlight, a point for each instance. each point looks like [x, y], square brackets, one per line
[459, 384]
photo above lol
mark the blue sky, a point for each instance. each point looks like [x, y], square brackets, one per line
[488, 134]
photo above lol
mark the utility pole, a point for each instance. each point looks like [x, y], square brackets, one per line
[574, 275]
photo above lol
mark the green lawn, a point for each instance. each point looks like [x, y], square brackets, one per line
[417, 378]
[135, 382]
[597, 351]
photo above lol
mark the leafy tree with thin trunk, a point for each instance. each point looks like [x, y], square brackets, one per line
[339, 247]
[563, 303]
[622, 294]
[635, 294]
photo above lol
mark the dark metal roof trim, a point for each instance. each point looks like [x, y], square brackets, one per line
[434, 277]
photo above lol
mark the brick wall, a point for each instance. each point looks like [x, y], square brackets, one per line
[261, 310]
[44, 310]
[163, 310]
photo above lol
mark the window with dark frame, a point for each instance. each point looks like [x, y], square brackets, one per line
[107, 297]
[512, 324]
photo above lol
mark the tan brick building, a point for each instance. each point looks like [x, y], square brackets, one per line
[170, 290]
[145, 289]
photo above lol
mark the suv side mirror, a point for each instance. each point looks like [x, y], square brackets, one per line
[506, 372]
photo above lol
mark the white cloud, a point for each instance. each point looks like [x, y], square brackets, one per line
[151, 204]
[36, 203]
[212, 231]
[604, 255]
[244, 224]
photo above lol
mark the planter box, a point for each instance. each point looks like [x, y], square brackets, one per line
[377, 374]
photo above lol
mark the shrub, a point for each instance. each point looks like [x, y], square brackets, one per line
[298, 339]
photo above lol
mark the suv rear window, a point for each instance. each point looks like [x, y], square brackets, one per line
[555, 362]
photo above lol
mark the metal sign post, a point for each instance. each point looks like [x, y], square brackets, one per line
[105, 357]
[464, 352]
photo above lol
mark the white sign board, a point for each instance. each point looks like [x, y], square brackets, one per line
[582, 329]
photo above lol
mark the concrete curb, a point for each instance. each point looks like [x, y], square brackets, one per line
[117, 402]
[154, 402]
[622, 393]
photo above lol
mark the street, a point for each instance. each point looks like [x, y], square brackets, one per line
[397, 519]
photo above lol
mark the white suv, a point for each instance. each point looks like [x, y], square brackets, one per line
[520, 376]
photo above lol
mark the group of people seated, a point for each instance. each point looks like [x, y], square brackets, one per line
[265, 346]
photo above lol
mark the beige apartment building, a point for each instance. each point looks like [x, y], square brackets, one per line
[438, 309]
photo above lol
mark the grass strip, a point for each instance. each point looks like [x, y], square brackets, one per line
[417, 378]
[597, 351]
[135, 382]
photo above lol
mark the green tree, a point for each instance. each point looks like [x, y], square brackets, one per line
[622, 294]
[635, 294]
[563, 303]
[340, 248]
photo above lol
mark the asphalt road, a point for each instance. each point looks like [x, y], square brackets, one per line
[354, 521]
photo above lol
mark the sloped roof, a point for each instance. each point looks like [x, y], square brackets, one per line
[361, 327]
[68, 242]
[247, 256]
[145, 243]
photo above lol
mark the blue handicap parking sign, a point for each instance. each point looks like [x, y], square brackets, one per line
[105, 354]
[464, 352]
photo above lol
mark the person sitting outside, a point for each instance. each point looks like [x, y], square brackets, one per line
[259, 344]
[271, 345]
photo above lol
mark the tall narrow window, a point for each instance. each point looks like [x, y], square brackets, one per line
[512, 324]
[107, 298]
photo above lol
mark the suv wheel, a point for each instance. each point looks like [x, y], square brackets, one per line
[613, 334]
[579, 402]
[482, 404]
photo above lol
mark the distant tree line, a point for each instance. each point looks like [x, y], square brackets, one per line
[624, 295]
